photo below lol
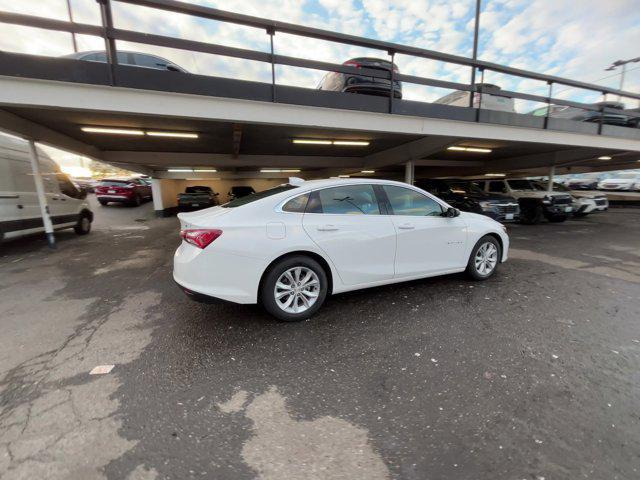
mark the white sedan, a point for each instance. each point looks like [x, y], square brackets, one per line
[291, 246]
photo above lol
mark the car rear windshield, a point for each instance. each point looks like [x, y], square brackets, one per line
[197, 190]
[521, 185]
[238, 202]
[114, 183]
[242, 190]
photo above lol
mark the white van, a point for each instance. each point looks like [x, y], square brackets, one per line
[19, 207]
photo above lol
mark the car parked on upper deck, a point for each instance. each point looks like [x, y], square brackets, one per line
[468, 197]
[356, 83]
[584, 181]
[129, 190]
[489, 99]
[613, 113]
[135, 59]
[291, 246]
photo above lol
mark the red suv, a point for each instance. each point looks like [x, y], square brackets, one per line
[131, 191]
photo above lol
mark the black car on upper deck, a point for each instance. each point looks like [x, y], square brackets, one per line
[363, 83]
[466, 196]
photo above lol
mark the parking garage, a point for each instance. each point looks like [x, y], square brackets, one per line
[526, 375]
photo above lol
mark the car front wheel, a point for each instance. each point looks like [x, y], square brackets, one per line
[294, 288]
[484, 259]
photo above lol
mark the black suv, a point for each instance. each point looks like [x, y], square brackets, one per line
[465, 196]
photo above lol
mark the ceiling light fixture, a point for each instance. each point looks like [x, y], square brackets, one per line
[344, 176]
[351, 143]
[470, 149]
[279, 170]
[116, 131]
[604, 157]
[180, 170]
[495, 175]
[205, 170]
[367, 171]
[311, 141]
[172, 134]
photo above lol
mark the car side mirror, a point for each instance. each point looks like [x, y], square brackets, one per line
[451, 212]
[83, 193]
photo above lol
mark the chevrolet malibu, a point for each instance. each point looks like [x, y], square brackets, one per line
[290, 247]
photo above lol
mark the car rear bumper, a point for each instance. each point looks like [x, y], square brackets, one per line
[114, 198]
[214, 272]
[364, 85]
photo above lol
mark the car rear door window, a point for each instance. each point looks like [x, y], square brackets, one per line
[345, 200]
[297, 204]
[405, 201]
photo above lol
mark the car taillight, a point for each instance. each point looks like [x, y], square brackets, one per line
[352, 64]
[200, 237]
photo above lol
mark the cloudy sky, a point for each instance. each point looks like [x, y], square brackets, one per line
[577, 39]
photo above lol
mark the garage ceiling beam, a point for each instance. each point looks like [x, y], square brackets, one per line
[16, 125]
[159, 160]
[414, 150]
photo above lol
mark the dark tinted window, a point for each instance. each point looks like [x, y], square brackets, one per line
[521, 185]
[405, 201]
[197, 189]
[149, 61]
[347, 200]
[241, 191]
[238, 202]
[497, 187]
[297, 204]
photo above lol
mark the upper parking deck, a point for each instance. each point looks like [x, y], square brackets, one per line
[53, 96]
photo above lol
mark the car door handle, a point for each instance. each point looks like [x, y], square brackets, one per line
[327, 228]
[406, 226]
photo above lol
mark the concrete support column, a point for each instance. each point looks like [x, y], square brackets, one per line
[42, 198]
[552, 171]
[409, 172]
[156, 191]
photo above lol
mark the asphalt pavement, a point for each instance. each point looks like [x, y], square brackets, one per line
[532, 374]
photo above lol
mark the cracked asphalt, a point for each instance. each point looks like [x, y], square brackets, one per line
[533, 374]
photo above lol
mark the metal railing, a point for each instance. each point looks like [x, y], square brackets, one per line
[111, 34]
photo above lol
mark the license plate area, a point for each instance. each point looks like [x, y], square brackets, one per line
[508, 216]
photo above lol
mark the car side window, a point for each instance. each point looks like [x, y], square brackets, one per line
[405, 201]
[297, 204]
[66, 187]
[346, 200]
[497, 187]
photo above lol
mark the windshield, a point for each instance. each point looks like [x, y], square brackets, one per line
[238, 202]
[521, 185]
[198, 190]
[464, 187]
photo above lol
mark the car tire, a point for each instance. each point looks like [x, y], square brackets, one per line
[491, 255]
[103, 202]
[84, 224]
[557, 218]
[531, 214]
[297, 267]
[137, 201]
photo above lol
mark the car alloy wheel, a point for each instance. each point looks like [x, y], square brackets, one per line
[297, 290]
[486, 259]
